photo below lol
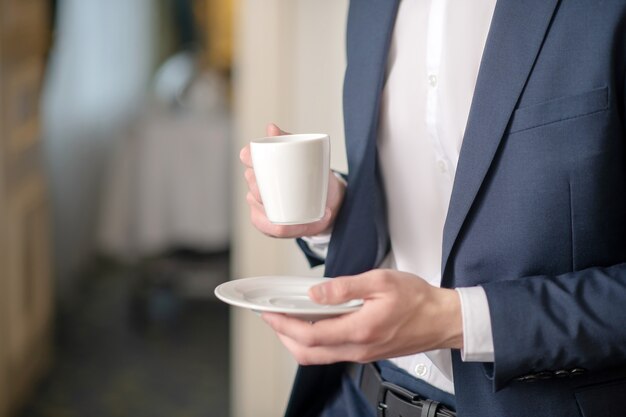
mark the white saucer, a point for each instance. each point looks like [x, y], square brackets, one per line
[281, 294]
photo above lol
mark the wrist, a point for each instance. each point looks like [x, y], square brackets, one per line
[452, 317]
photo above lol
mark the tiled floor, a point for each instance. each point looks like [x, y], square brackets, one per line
[139, 344]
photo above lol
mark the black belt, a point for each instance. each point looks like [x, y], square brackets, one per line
[391, 400]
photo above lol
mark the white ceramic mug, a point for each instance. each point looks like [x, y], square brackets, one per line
[292, 175]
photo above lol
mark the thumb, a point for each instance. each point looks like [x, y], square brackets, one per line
[341, 290]
[273, 130]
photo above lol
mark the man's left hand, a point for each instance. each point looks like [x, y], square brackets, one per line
[402, 314]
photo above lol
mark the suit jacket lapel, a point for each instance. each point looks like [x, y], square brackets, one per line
[368, 37]
[360, 234]
[517, 32]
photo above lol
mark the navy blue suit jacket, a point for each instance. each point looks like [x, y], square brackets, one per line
[537, 215]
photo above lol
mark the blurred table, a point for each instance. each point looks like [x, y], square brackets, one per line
[169, 182]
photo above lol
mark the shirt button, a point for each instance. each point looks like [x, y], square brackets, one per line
[421, 370]
[442, 166]
[432, 80]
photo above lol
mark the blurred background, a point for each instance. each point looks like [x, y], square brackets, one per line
[122, 202]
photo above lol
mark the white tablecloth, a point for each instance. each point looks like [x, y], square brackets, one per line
[168, 184]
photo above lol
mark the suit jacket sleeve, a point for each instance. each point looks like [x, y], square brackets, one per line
[570, 322]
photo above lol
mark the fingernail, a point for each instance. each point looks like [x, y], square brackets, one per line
[318, 293]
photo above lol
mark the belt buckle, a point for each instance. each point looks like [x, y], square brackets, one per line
[385, 387]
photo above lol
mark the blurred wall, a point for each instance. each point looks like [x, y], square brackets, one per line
[289, 67]
[101, 62]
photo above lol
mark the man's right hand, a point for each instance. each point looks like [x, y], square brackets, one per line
[336, 191]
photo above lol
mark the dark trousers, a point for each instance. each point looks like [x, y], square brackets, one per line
[349, 401]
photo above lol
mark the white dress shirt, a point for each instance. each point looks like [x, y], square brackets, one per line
[432, 68]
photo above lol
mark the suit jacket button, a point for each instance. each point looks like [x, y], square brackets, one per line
[544, 375]
[527, 378]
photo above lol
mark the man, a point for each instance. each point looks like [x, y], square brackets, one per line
[532, 235]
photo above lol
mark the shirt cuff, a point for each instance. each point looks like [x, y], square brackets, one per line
[477, 334]
[318, 244]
